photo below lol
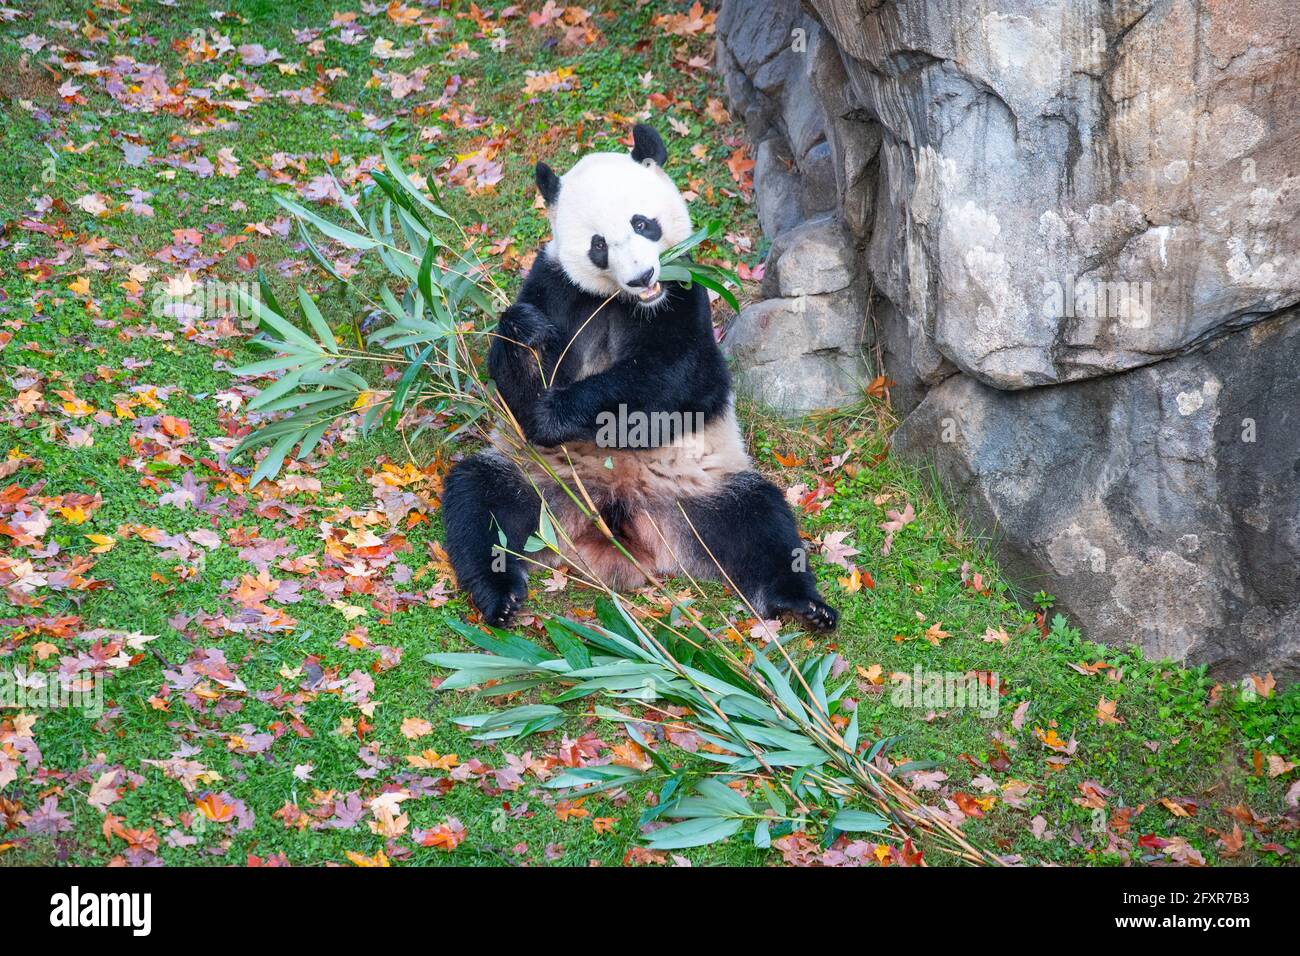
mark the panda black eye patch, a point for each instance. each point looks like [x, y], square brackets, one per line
[649, 228]
[599, 252]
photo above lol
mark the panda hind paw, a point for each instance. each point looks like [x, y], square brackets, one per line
[813, 612]
[499, 606]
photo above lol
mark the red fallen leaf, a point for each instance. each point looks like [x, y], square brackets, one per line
[967, 804]
[445, 836]
[907, 856]
[999, 760]
[992, 681]
[1149, 841]
[215, 809]
[1274, 848]
[740, 166]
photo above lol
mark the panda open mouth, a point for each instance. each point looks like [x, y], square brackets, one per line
[653, 294]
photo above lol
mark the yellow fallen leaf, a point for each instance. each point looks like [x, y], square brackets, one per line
[75, 514]
[103, 543]
[432, 760]
[349, 611]
[875, 674]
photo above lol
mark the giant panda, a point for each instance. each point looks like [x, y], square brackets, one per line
[648, 353]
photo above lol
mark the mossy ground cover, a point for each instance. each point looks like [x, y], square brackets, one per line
[261, 649]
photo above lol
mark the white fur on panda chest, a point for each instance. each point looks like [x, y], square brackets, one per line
[694, 464]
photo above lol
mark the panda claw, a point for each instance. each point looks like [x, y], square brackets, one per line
[499, 607]
[815, 613]
[819, 616]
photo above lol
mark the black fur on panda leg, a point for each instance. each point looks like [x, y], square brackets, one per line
[483, 496]
[750, 531]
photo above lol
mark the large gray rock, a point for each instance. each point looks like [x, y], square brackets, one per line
[1162, 506]
[1069, 228]
[797, 354]
[1034, 148]
[812, 258]
[803, 348]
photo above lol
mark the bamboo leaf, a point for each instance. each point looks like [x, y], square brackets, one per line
[353, 240]
[701, 832]
[287, 329]
[323, 331]
[274, 460]
[859, 821]
[399, 175]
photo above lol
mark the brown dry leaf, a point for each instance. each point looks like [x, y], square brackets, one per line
[1106, 712]
[1231, 843]
[413, 727]
[1278, 765]
[875, 674]
[935, 633]
[1264, 686]
[879, 387]
[693, 21]
[741, 167]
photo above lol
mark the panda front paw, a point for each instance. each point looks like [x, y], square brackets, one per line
[549, 426]
[524, 324]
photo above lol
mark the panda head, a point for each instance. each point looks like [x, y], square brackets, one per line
[611, 215]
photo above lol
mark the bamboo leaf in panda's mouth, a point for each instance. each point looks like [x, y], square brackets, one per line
[688, 272]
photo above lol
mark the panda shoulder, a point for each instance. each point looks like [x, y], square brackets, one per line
[545, 275]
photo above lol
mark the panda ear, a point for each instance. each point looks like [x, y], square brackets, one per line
[547, 183]
[648, 145]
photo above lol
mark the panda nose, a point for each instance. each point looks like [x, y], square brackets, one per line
[643, 280]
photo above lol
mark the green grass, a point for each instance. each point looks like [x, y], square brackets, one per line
[1182, 737]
